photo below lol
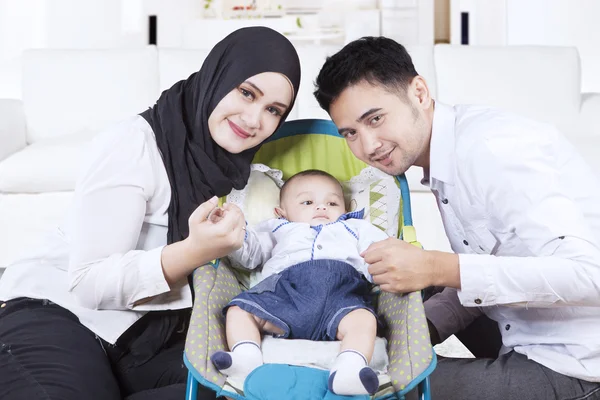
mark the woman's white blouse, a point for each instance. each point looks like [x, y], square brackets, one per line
[106, 256]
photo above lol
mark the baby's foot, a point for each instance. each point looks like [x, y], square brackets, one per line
[243, 358]
[351, 375]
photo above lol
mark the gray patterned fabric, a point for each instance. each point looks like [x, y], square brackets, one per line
[409, 345]
[214, 288]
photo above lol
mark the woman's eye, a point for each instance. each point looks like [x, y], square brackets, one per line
[247, 93]
[275, 111]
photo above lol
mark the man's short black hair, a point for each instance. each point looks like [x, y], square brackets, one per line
[308, 172]
[377, 60]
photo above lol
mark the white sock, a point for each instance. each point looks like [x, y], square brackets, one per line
[243, 358]
[351, 375]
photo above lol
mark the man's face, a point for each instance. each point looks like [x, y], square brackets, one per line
[385, 128]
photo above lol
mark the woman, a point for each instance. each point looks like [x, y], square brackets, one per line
[100, 311]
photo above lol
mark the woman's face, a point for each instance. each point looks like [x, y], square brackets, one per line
[251, 112]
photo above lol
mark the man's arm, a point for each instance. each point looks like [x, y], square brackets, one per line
[521, 187]
[524, 191]
[399, 267]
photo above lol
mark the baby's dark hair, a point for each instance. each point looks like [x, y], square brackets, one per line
[308, 172]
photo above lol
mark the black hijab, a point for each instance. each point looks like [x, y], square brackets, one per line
[197, 167]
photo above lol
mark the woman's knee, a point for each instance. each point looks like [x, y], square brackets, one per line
[48, 354]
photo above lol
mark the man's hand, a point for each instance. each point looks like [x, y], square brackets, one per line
[400, 267]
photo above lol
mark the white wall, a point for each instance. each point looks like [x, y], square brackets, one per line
[22, 25]
[560, 22]
[487, 21]
[173, 16]
[536, 22]
[69, 24]
[86, 24]
[63, 24]
[90, 23]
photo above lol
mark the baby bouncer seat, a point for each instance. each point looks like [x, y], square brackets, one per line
[298, 369]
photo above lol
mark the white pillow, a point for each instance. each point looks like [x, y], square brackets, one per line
[260, 196]
[372, 190]
[379, 195]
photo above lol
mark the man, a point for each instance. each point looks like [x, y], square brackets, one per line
[520, 208]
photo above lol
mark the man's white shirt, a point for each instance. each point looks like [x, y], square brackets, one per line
[522, 210]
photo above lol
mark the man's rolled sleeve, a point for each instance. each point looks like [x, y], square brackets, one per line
[477, 280]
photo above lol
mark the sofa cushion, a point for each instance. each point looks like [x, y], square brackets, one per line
[79, 91]
[10, 78]
[422, 58]
[588, 149]
[543, 83]
[13, 130]
[589, 117]
[312, 59]
[49, 165]
[26, 219]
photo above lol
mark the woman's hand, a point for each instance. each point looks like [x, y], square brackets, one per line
[214, 232]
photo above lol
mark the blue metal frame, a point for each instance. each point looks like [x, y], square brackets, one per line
[305, 126]
[405, 194]
[323, 127]
[191, 391]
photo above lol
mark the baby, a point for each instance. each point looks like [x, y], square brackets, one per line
[315, 285]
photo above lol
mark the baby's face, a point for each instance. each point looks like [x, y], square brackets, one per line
[315, 200]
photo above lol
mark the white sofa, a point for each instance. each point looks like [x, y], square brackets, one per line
[69, 95]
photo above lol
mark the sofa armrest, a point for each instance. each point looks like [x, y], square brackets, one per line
[13, 131]
[589, 117]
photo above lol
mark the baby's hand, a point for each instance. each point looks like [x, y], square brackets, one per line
[216, 215]
[231, 208]
[216, 235]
